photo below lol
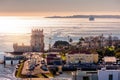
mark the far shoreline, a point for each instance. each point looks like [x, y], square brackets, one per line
[86, 16]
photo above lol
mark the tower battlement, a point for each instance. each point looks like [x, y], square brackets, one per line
[37, 31]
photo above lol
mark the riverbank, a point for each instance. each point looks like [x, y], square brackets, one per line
[7, 72]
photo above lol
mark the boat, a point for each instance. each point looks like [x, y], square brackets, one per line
[91, 18]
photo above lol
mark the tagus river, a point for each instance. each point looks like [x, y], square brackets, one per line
[18, 29]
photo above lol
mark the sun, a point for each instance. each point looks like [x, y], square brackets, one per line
[24, 24]
[11, 25]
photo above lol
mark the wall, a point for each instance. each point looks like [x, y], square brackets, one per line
[104, 75]
[84, 58]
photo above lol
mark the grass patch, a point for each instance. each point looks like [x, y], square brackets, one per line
[19, 75]
[49, 75]
[19, 70]
[40, 76]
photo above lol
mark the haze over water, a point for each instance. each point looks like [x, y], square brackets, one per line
[18, 29]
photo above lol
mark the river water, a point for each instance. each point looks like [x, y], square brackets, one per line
[56, 29]
[7, 72]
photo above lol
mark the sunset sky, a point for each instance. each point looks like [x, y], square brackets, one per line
[58, 7]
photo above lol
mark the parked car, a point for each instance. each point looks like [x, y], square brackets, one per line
[44, 68]
[32, 67]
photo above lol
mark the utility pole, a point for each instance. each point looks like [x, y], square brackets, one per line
[49, 43]
[50, 40]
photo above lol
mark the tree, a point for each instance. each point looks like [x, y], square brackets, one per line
[117, 50]
[80, 41]
[101, 52]
[70, 40]
[58, 44]
[109, 51]
[44, 55]
[117, 54]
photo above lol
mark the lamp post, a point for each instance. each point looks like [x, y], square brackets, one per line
[50, 40]
[74, 74]
[50, 43]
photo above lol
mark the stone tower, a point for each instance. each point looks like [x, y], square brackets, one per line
[37, 40]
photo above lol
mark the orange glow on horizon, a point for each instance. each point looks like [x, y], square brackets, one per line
[43, 14]
[22, 22]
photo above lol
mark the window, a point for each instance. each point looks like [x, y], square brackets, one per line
[110, 77]
[86, 78]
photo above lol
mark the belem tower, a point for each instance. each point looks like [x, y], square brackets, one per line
[36, 43]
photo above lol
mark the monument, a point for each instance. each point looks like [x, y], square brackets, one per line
[36, 43]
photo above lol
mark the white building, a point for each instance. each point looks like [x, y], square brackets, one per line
[36, 43]
[109, 74]
[109, 59]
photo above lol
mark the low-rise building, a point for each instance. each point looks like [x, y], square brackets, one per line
[83, 57]
[53, 60]
[109, 60]
[109, 74]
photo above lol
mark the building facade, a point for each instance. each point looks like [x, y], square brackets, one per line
[109, 75]
[110, 60]
[82, 57]
[36, 43]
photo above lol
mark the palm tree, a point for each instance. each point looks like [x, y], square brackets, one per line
[80, 40]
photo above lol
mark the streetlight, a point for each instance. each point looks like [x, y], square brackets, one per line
[50, 43]
[74, 74]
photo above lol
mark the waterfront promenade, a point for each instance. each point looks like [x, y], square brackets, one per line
[34, 60]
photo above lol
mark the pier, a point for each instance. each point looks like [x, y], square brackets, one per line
[12, 59]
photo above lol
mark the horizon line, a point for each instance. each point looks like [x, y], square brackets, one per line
[45, 14]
